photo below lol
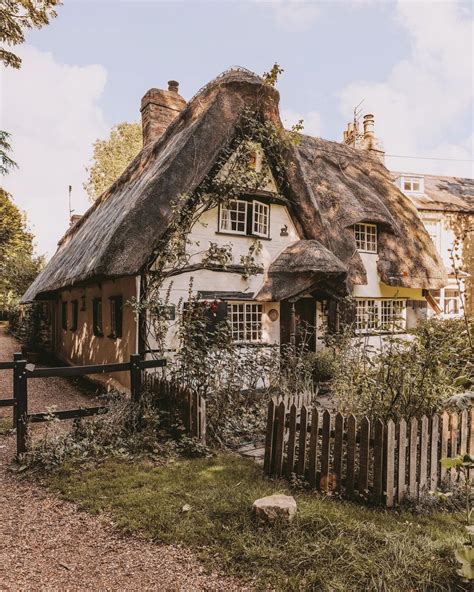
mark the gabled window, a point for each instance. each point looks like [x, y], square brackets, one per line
[245, 217]
[116, 311]
[261, 219]
[366, 237]
[233, 217]
[74, 314]
[97, 326]
[245, 321]
[64, 316]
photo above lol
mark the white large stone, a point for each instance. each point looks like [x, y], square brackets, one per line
[275, 507]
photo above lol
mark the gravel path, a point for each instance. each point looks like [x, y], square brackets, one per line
[49, 544]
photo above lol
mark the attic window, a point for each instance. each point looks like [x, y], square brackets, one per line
[412, 184]
[246, 217]
[366, 237]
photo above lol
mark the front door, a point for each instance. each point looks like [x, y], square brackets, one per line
[305, 312]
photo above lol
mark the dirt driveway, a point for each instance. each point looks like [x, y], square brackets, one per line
[49, 544]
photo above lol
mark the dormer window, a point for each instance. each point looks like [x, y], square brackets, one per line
[245, 217]
[366, 237]
[411, 184]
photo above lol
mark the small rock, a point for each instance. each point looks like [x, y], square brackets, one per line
[186, 508]
[275, 507]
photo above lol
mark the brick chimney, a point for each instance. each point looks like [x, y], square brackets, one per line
[365, 140]
[159, 108]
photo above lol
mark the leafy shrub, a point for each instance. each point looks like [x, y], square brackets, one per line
[406, 378]
[323, 365]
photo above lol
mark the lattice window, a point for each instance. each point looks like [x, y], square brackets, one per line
[366, 237]
[246, 321]
[392, 315]
[233, 217]
[261, 219]
[366, 315]
[373, 315]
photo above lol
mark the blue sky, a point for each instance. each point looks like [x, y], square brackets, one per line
[411, 62]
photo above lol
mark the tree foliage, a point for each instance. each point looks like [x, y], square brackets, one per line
[6, 163]
[112, 156]
[18, 265]
[17, 16]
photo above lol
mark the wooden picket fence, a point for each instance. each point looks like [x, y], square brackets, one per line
[382, 462]
[181, 403]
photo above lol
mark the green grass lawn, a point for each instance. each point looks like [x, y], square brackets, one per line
[332, 545]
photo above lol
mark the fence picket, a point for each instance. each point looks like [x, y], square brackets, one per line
[290, 456]
[390, 466]
[424, 441]
[269, 443]
[313, 447]
[378, 461]
[402, 456]
[338, 444]
[454, 442]
[364, 451]
[351, 450]
[325, 445]
[412, 482]
[279, 440]
[434, 453]
[444, 442]
[463, 442]
[302, 441]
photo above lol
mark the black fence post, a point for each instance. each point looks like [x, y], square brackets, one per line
[20, 385]
[135, 377]
[16, 358]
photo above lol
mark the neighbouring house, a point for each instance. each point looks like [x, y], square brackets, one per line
[329, 222]
[446, 208]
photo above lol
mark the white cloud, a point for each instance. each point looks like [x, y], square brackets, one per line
[427, 94]
[294, 15]
[52, 112]
[311, 121]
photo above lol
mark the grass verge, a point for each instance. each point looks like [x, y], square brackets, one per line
[331, 546]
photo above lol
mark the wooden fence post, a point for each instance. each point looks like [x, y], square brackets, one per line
[135, 377]
[20, 386]
[16, 358]
[390, 464]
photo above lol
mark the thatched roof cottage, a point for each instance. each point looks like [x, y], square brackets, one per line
[338, 226]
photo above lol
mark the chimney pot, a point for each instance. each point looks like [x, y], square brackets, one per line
[173, 85]
[369, 124]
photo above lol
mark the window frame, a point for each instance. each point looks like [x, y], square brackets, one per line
[97, 323]
[384, 314]
[266, 212]
[116, 317]
[252, 332]
[411, 180]
[362, 244]
[222, 209]
[74, 315]
[448, 298]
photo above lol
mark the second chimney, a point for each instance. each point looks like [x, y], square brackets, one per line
[159, 108]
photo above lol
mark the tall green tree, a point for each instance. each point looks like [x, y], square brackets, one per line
[18, 264]
[112, 156]
[16, 17]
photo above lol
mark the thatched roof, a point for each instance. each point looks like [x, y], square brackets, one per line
[445, 194]
[331, 186]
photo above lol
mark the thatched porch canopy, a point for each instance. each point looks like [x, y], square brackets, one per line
[303, 267]
[330, 187]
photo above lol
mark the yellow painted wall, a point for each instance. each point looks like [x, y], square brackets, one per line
[82, 347]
